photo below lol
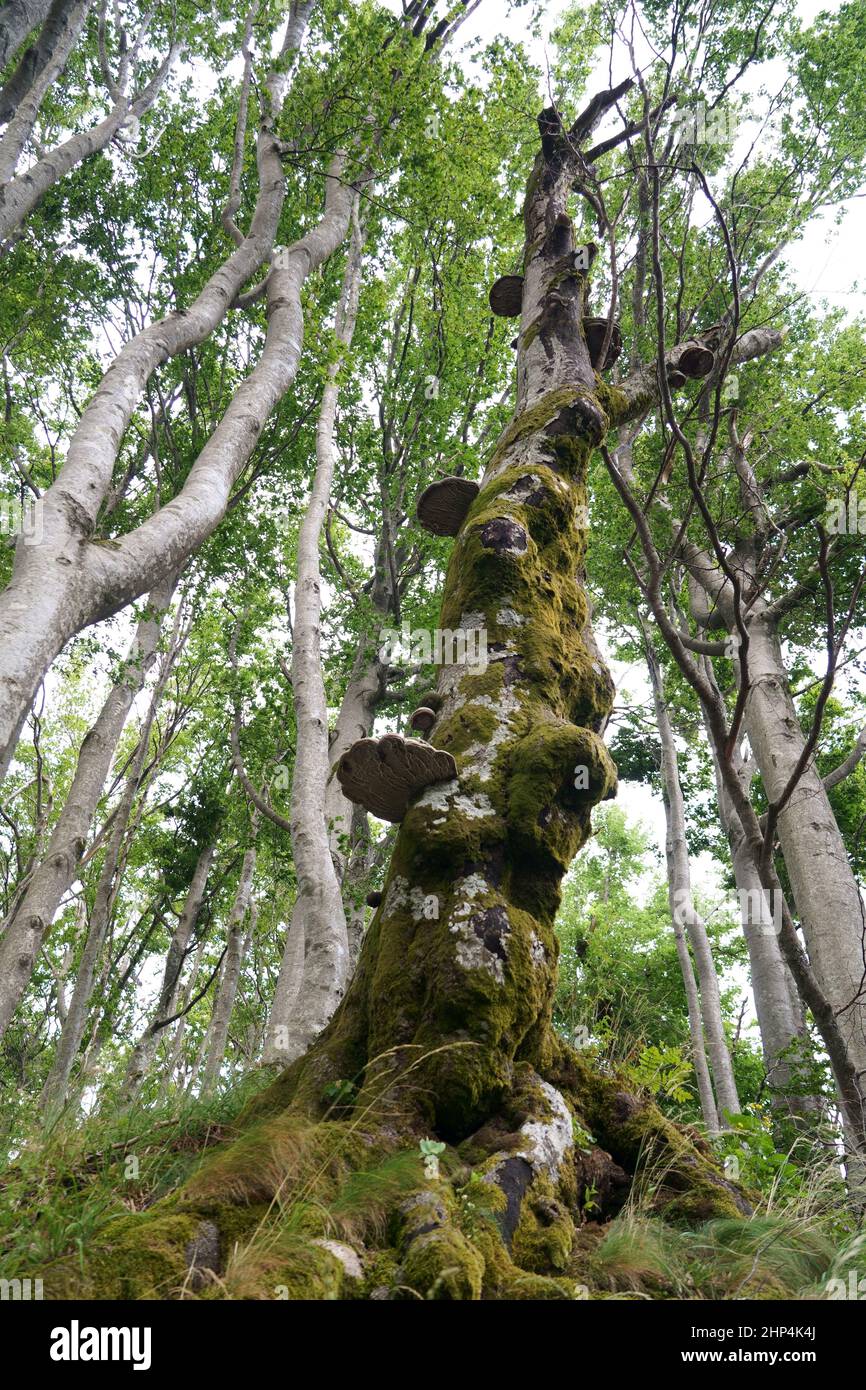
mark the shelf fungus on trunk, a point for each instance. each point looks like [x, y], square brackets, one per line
[423, 719]
[506, 296]
[443, 506]
[696, 361]
[384, 774]
[595, 331]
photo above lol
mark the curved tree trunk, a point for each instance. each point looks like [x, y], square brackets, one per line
[828, 900]
[36, 910]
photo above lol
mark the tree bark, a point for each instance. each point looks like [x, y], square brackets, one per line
[684, 911]
[317, 916]
[57, 1083]
[231, 968]
[142, 1054]
[35, 911]
[777, 1004]
[18, 19]
[58, 38]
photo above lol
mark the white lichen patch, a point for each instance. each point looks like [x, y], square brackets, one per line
[536, 949]
[444, 796]
[471, 952]
[345, 1254]
[546, 1142]
[397, 896]
[507, 617]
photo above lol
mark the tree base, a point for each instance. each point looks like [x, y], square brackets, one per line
[299, 1206]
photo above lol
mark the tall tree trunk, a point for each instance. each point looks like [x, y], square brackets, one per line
[35, 911]
[142, 1054]
[447, 1023]
[231, 968]
[826, 893]
[778, 1006]
[55, 1090]
[683, 909]
[318, 915]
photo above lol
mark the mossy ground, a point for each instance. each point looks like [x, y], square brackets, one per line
[338, 1210]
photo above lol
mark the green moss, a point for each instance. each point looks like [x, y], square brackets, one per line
[472, 724]
[443, 1264]
[544, 1236]
[676, 1177]
[137, 1257]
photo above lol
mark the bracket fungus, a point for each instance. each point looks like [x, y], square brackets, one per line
[384, 774]
[595, 331]
[423, 719]
[506, 296]
[442, 507]
[696, 361]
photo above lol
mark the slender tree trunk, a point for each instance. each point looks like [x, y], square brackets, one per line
[35, 911]
[696, 1032]
[57, 1083]
[142, 1053]
[318, 913]
[231, 968]
[777, 1004]
[826, 893]
[682, 903]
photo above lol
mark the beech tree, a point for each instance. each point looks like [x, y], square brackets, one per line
[299, 427]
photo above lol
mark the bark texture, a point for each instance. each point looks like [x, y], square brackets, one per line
[446, 1025]
[36, 909]
[318, 915]
[685, 913]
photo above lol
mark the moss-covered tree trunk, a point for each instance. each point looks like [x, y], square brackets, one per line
[446, 1030]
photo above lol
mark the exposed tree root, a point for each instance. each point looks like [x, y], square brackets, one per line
[301, 1207]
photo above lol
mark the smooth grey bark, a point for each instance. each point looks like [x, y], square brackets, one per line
[231, 968]
[64, 583]
[36, 909]
[778, 1006]
[142, 1054]
[321, 920]
[21, 194]
[826, 893]
[683, 909]
[72, 1033]
[59, 36]
[18, 19]
[288, 987]
[696, 1031]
